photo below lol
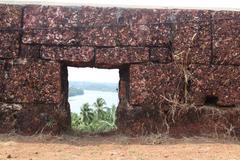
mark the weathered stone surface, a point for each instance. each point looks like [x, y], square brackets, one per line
[30, 51]
[222, 82]
[59, 37]
[143, 16]
[40, 17]
[226, 42]
[217, 15]
[119, 56]
[166, 58]
[98, 16]
[190, 15]
[156, 16]
[161, 55]
[98, 36]
[179, 121]
[137, 35]
[10, 16]
[154, 84]
[192, 43]
[71, 55]
[2, 64]
[28, 119]
[28, 81]
[9, 44]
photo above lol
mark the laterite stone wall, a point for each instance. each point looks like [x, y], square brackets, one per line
[179, 68]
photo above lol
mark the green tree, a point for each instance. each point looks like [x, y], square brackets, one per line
[100, 106]
[86, 114]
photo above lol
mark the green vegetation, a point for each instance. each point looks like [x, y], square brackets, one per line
[75, 91]
[96, 118]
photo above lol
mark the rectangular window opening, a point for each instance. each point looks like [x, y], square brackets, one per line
[93, 98]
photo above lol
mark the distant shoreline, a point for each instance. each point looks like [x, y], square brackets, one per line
[94, 86]
[92, 90]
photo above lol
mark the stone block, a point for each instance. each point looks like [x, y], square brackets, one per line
[191, 43]
[179, 121]
[11, 16]
[218, 82]
[51, 37]
[29, 119]
[156, 16]
[155, 84]
[226, 42]
[144, 35]
[9, 44]
[2, 75]
[30, 51]
[28, 81]
[98, 36]
[98, 16]
[71, 55]
[43, 17]
[190, 15]
[143, 16]
[161, 55]
[120, 56]
[227, 15]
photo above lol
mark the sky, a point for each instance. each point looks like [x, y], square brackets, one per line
[101, 75]
[213, 4]
[93, 75]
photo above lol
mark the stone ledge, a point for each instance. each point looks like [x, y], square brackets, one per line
[79, 56]
[120, 56]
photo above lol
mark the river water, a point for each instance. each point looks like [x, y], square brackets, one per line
[90, 97]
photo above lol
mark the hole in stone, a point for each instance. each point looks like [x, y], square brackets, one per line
[93, 99]
[211, 100]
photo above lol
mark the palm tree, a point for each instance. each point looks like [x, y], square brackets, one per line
[86, 114]
[99, 105]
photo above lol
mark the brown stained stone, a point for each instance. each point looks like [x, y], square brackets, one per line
[192, 43]
[9, 44]
[57, 37]
[76, 55]
[161, 55]
[190, 15]
[156, 16]
[137, 35]
[179, 121]
[98, 36]
[226, 42]
[122, 89]
[155, 84]
[2, 65]
[222, 82]
[98, 16]
[30, 51]
[143, 16]
[40, 17]
[116, 57]
[29, 119]
[217, 15]
[28, 81]
[10, 16]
